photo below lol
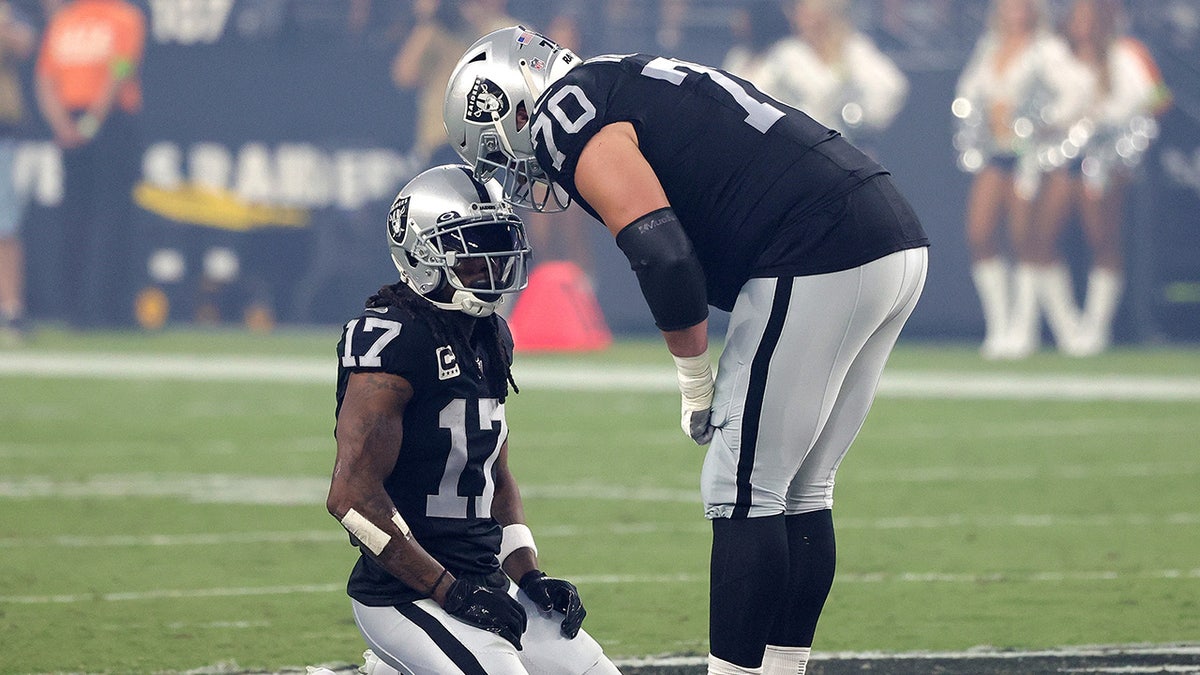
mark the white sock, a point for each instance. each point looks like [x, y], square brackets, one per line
[1103, 295]
[992, 284]
[1058, 299]
[1025, 325]
[719, 667]
[785, 660]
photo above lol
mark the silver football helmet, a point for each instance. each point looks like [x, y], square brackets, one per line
[456, 242]
[489, 100]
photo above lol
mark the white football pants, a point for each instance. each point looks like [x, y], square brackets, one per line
[802, 359]
[425, 640]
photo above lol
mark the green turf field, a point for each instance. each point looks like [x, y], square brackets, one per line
[163, 502]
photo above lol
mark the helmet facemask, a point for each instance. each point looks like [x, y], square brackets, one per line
[523, 181]
[493, 249]
[463, 255]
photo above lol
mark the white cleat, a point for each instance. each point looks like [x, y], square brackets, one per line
[370, 662]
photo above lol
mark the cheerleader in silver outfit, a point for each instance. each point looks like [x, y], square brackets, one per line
[832, 72]
[1098, 156]
[1020, 85]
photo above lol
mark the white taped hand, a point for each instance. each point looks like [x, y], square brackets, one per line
[696, 387]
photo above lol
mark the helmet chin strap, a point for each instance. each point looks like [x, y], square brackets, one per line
[534, 90]
[467, 303]
[461, 301]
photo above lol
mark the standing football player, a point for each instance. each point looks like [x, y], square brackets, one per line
[720, 195]
[421, 480]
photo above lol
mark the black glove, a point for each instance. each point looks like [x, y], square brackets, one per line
[555, 594]
[487, 608]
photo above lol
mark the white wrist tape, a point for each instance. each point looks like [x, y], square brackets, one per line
[516, 536]
[401, 524]
[366, 532]
[695, 380]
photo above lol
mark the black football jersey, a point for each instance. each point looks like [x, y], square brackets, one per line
[444, 479]
[743, 172]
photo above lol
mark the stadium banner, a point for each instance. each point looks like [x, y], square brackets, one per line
[273, 140]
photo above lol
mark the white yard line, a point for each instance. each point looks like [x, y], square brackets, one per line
[311, 491]
[895, 384]
[162, 540]
[336, 536]
[616, 579]
[167, 367]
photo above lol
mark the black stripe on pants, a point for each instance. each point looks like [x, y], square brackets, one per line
[444, 639]
[755, 391]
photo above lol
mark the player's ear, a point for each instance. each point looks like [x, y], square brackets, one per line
[522, 115]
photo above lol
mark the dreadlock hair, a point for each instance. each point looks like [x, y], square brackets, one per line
[446, 331]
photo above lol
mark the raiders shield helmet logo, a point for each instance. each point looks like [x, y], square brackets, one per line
[398, 220]
[486, 102]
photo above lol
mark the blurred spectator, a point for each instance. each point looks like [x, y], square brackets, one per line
[671, 15]
[565, 29]
[17, 40]
[424, 62]
[562, 236]
[1103, 147]
[1020, 81]
[754, 27]
[441, 32]
[832, 71]
[89, 91]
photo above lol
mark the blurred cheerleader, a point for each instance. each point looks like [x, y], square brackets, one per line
[1020, 83]
[1104, 146]
[832, 71]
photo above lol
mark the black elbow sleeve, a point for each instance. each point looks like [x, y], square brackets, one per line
[667, 269]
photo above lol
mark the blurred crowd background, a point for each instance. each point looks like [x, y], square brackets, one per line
[272, 135]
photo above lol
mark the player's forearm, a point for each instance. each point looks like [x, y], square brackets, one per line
[408, 561]
[519, 563]
[368, 441]
[690, 341]
[507, 506]
[518, 555]
[368, 513]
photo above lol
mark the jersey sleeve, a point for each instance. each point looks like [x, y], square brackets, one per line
[568, 115]
[389, 342]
